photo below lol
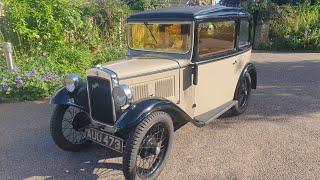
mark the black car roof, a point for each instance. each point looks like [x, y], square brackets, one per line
[189, 13]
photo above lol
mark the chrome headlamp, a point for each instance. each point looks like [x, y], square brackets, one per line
[72, 82]
[122, 95]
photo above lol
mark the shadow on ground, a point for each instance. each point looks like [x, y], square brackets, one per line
[284, 89]
[27, 150]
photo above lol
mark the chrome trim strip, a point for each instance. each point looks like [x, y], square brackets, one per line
[113, 78]
[193, 39]
[228, 55]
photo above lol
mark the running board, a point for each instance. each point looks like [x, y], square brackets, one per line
[206, 118]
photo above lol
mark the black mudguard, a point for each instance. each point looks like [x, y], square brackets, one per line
[78, 99]
[251, 69]
[140, 110]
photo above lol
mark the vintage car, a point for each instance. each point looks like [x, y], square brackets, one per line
[185, 64]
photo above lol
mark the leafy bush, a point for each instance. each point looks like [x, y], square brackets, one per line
[40, 76]
[142, 5]
[57, 37]
[296, 28]
[292, 27]
[41, 24]
[27, 85]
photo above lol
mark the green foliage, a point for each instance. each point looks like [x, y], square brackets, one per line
[40, 76]
[292, 27]
[296, 28]
[109, 19]
[142, 5]
[27, 85]
[57, 37]
[41, 24]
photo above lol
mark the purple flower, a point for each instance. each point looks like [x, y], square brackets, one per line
[45, 53]
[31, 74]
[49, 76]
[16, 69]
[19, 82]
[5, 87]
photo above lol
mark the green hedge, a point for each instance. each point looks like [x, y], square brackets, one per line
[292, 27]
[37, 77]
[57, 37]
[296, 28]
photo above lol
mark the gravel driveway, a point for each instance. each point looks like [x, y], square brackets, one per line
[277, 138]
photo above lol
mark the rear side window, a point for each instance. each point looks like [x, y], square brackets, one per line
[244, 33]
[216, 37]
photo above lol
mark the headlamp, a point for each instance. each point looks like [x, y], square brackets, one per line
[72, 82]
[122, 95]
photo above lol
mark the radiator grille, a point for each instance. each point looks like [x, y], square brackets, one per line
[140, 91]
[164, 88]
[101, 105]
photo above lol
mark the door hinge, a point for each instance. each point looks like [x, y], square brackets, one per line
[195, 74]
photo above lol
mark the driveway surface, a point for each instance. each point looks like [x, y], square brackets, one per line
[277, 138]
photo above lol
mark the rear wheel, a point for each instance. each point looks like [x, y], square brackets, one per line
[242, 95]
[148, 147]
[67, 128]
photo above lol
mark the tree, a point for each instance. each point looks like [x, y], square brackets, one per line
[234, 3]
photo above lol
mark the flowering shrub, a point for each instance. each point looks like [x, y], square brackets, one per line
[27, 85]
[17, 87]
[40, 76]
[57, 37]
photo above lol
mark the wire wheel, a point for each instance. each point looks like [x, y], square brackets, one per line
[242, 95]
[148, 147]
[71, 125]
[67, 128]
[244, 92]
[152, 150]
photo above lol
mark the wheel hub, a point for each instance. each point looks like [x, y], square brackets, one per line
[152, 147]
[80, 120]
[158, 148]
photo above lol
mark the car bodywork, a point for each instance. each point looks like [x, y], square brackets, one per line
[188, 87]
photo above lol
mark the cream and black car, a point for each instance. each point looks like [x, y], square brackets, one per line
[186, 64]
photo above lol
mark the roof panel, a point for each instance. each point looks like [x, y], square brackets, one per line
[188, 13]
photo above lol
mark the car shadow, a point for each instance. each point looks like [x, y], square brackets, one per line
[93, 163]
[28, 151]
[285, 89]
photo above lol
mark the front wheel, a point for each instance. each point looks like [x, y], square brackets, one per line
[148, 147]
[67, 128]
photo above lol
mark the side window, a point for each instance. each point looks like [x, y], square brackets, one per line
[216, 37]
[244, 33]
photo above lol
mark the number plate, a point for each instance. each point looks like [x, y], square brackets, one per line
[105, 139]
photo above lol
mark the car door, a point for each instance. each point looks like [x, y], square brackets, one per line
[216, 79]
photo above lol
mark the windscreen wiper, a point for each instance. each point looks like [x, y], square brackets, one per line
[146, 24]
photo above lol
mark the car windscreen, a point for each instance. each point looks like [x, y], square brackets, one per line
[158, 37]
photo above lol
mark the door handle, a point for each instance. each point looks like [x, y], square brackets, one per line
[235, 62]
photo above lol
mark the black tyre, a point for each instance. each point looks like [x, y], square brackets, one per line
[67, 128]
[148, 147]
[242, 95]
